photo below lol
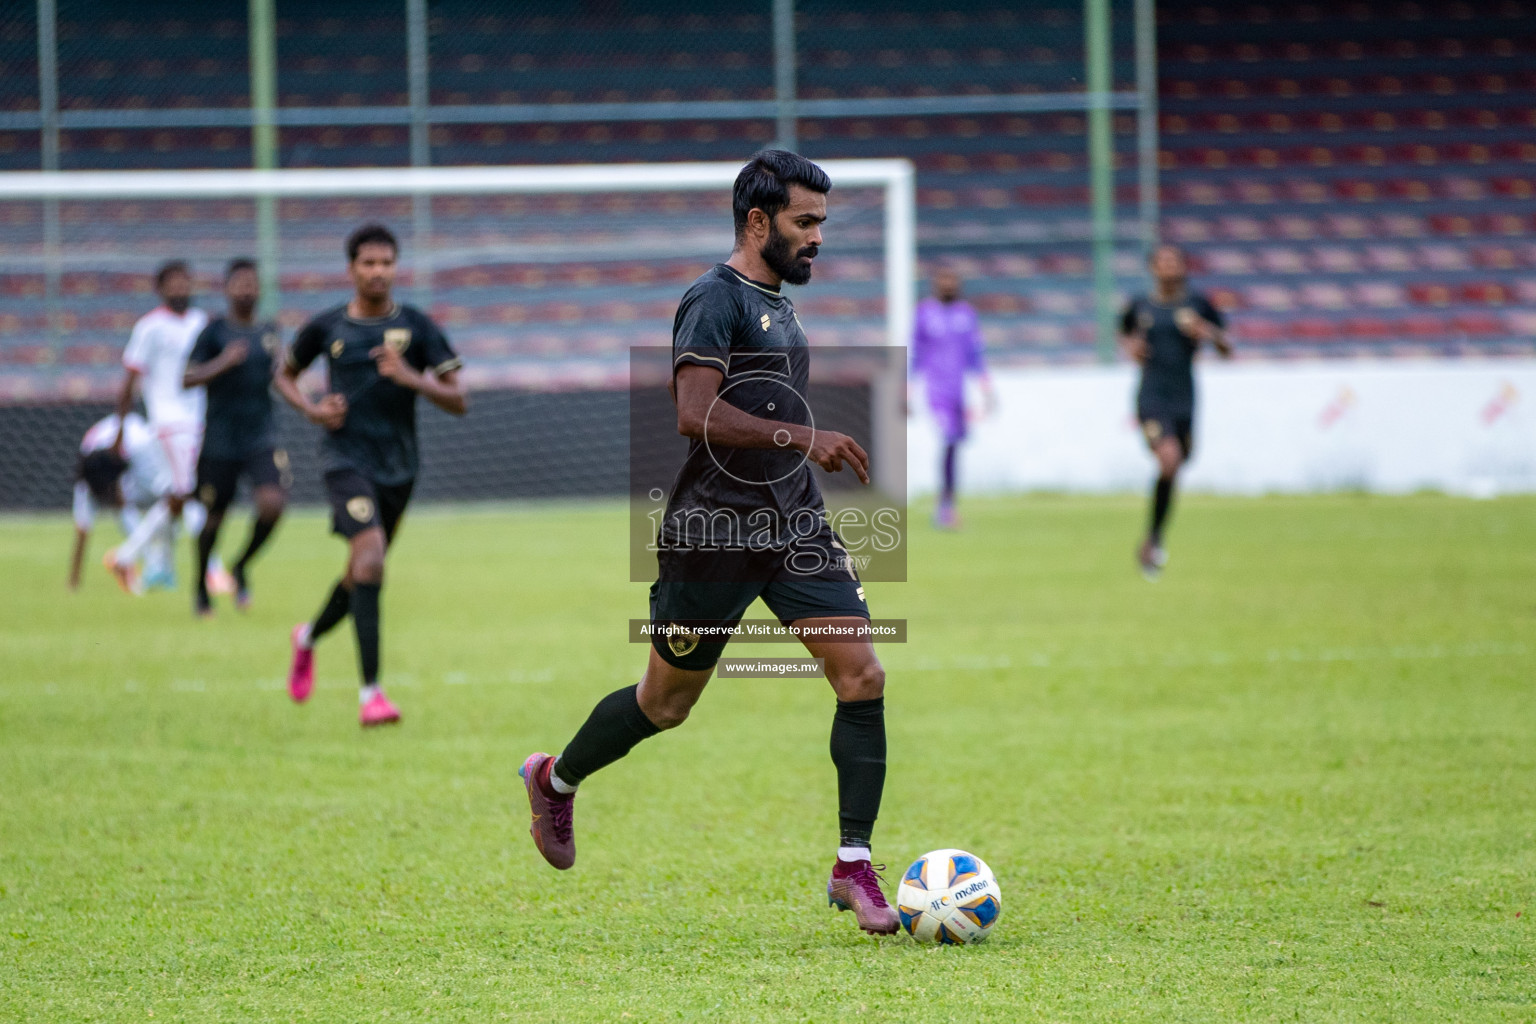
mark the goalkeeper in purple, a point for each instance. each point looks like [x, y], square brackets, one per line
[947, 345]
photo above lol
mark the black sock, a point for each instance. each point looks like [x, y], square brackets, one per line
[610, 731]
[261, 529]
[1162, 501]
[205, 542]
[336, 608]
[858, 750]
[365, 620]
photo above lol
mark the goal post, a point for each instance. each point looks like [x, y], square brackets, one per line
[90, 244]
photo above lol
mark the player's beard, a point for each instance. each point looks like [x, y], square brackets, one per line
[781, 261]
[178, 304]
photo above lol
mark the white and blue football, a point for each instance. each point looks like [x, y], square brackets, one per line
[950, 897]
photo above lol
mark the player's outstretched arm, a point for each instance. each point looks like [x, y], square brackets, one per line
[702, 418]
[125, 404]
[84, 515]
[77, 556]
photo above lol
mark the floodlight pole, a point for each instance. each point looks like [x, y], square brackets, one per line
[784, 73]
[1146, 121]
[1101, 171]
[48, 146]
[421, 146]
[262, 19]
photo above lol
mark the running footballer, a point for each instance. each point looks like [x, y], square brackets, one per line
[380, 355]
[745, 520]
[1162, 332]
[233, 361]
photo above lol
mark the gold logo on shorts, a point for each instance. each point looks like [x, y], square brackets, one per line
[398, 338]
[270, 341]
[766, 322]
[1152, 429]
[861, 594]
[280, 458]
[336, 348]
[682, 643]
[206, 494]
[360, 508]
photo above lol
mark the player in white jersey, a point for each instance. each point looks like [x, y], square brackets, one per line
[157, 354]
[123, 467]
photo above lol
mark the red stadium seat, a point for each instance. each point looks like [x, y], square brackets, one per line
[1478, 323]
[1430, 293]
[1314, 328]
[1487, 293]
[1422, 325]
[1371, 327]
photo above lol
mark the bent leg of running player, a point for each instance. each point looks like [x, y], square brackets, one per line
[365, 577]
[269, 500]
[1170, 459]
[619, 722]
[1169, 451]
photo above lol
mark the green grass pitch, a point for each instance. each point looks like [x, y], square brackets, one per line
[1293, 780]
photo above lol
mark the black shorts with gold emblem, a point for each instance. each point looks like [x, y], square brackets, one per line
[358, 503]
[699, 595]
[218, 479]
[1158, 422]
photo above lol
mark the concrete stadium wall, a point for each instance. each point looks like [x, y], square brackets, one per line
[1464, 427]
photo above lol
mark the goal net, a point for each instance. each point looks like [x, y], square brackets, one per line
[546, 279]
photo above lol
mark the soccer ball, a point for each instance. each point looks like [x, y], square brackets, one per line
[950, 897]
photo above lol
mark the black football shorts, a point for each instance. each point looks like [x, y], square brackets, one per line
[218, 479]
[811, 579]
[358, 503]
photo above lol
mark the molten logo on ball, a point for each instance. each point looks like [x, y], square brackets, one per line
[950, 897]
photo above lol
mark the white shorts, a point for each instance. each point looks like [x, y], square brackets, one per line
[181, 443]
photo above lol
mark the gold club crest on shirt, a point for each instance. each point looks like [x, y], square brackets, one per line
[397, 338]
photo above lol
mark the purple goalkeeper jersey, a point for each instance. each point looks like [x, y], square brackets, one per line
[945, 347]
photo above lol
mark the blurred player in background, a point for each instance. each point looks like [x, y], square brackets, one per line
[1162, 332]
[735, 325]
[122, 467]
[157, 354]
[946, 346]
[380, 356]
[233, 360]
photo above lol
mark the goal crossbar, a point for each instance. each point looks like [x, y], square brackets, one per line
[896, 177]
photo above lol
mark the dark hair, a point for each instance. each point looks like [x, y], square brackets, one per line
[370, 234]
[238, 264]
[764, 184]
[100, 470]
[168, 268]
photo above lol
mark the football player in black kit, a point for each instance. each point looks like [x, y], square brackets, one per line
[746, 520]
[380, 355]
[233, 358]
[1162, 332]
